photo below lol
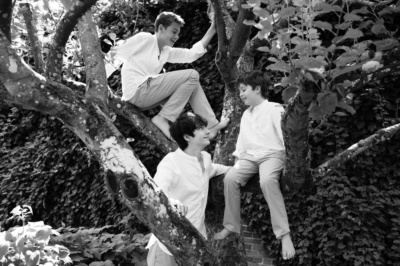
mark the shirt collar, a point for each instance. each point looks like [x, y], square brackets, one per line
[187, 156]
[258, 107]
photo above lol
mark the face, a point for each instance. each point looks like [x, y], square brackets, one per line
[249, 96]
[200, 138]
[168, 36]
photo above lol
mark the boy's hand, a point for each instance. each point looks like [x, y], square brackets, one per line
[182, 209]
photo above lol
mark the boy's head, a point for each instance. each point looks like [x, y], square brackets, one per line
[190, 128]
[167, 27]
[253, 87]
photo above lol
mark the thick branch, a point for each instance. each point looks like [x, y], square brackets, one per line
[380, 136]
[142, 124]
[246, 60]
[241, 32]
[36, 44]
[295, 122]
[221, 26]
[6, 9]
[64, 29]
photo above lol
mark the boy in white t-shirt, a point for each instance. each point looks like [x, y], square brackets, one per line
[259, 149]
[183, 175]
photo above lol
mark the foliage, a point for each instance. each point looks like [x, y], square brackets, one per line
[352, 217]
[96, 246]
[29, 244]
[323, 43]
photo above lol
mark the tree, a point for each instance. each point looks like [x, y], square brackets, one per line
[316, 51]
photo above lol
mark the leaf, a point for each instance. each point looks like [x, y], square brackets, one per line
[289, 93]
[279, 66]
[3, 248]
[386, 44]
[112, 36]
[327, 101]
[352, 34]
[346, 107]
[263, 49]
[249, 22]
[315, 112]
[322, 25]
[246, 6]
[260, 12]
[345, 60]
[299, 3]
[340, 71]
[287, 12]
[379, 28]
[352, 17]
[363, 10]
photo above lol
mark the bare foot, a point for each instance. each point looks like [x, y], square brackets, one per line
[222, 235]
[162, 124]
[288, 250]
[215, 129]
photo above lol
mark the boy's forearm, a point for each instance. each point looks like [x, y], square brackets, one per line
[208, 36]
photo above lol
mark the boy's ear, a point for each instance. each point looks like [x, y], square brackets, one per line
[186, 137]
[257, 89]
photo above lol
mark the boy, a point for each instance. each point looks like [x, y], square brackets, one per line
[144, 56]
[259, 148]
[183, 176]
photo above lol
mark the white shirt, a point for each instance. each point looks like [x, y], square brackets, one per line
[260, 131]
[142, 60]
[180, 177]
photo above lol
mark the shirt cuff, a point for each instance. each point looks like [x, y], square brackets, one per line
[198, 48]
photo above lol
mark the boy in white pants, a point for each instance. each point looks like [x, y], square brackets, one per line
[143, 84]
[259, 149]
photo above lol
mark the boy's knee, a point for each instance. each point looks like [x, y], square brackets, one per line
[230, 178]
[194, 75]
[267, 181]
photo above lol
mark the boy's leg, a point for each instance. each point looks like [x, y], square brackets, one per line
[181, 87]
[237, 176]
[270, 171]
[157, 257]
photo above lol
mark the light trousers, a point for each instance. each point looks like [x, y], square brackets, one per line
[269, 169]
[175, 89]
[157, 257]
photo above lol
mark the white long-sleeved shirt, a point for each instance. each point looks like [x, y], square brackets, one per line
[260, 131]
[180, 177]
[142, 60]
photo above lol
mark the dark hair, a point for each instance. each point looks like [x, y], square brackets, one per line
[255, 78]
[186, 124]
[166, 19]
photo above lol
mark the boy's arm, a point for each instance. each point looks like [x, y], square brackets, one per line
[278, 119]
[209, 34]
[219, 169]
[182, 55]
[165, 177]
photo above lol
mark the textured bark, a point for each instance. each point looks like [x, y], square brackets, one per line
[6, 8]
[381, 135]
[64, 29]
[32, 91]
[96, 78]
[36, 44]
[295, 123]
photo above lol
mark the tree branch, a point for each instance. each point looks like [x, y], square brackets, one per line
[245, 62]
[241, 33]
[295, 122]
[6, 10]
[380, 136]
[36, 44]
[221, 26]
[64, 29]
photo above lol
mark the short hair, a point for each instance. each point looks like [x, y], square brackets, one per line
[186, 124]
[166, 19]
[255, 78]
